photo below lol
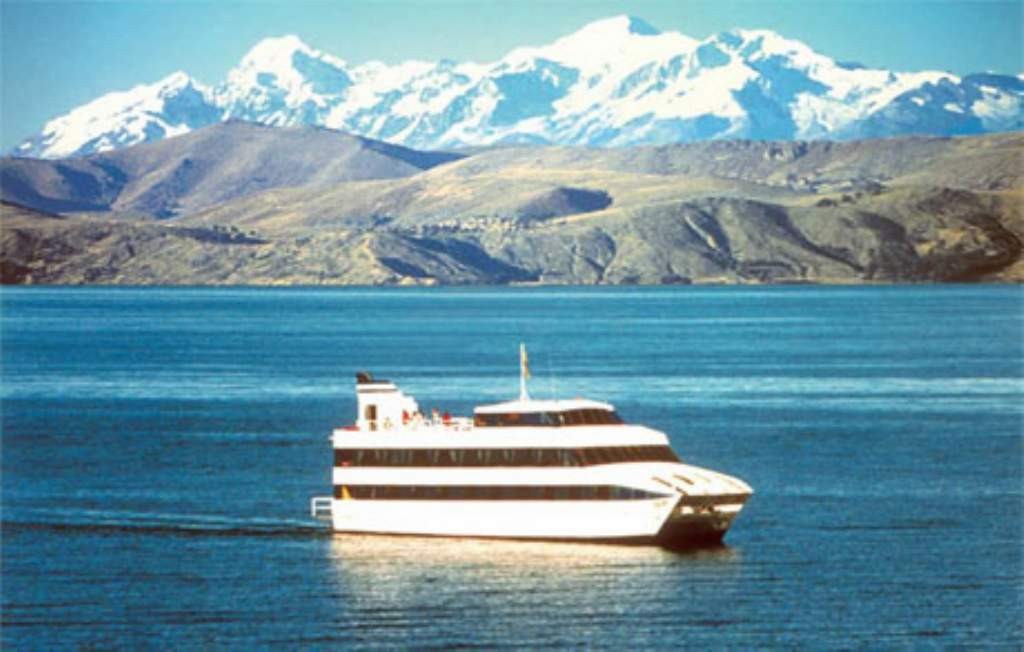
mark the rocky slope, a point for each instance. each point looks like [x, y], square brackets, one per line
[905, 210]
[614, 82]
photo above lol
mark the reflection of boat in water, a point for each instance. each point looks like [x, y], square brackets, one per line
[381, 554]
[524, 469]
[403, 591]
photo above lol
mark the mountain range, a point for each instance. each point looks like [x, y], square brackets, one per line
[244, 203]
[615, 82]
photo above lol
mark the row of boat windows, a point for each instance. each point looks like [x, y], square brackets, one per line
[490, 492]
[589, 456]
[566, 418]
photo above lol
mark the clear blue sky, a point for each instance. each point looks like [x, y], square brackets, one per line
[57, 55]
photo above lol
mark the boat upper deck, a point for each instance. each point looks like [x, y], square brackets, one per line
[383, 409]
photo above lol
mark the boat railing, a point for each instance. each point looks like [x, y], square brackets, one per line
[452, 424]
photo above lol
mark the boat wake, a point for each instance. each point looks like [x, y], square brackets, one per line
[189, 525]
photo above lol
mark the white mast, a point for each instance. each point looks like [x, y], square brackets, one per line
[524, 372]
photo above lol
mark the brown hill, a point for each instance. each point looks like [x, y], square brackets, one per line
[226, 161]
[905, 210]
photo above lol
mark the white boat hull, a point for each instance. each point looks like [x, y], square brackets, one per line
[661, 520]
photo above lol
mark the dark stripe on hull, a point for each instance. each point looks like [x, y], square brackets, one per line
[461, 493]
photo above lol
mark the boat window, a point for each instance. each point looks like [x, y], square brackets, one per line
[591, 416]
[487, 457]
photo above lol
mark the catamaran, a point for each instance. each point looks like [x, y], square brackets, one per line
[522, 469]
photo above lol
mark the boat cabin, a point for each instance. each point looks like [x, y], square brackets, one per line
[576, 412]
[381, 405]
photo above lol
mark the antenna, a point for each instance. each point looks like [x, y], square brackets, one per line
[524, 372]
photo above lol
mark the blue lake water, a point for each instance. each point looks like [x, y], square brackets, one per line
[159, 448]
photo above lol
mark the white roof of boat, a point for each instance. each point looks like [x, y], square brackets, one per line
[542, 406]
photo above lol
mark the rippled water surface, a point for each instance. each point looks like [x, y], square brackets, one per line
[159, 448]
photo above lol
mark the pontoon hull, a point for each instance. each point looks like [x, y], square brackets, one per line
[660, 521]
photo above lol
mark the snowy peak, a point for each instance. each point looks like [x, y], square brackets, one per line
[283, 81]
[615, 28]
[274, 51]
[619, 42]
[288, 59]
[174, 105]
[615, 81]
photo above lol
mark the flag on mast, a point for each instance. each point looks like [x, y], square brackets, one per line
[524, 372]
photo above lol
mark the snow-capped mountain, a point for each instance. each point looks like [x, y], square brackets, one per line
[174, 105]
[617, 81]
[283, 81]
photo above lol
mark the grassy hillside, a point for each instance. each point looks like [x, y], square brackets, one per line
[901, 210]
[178, 176]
